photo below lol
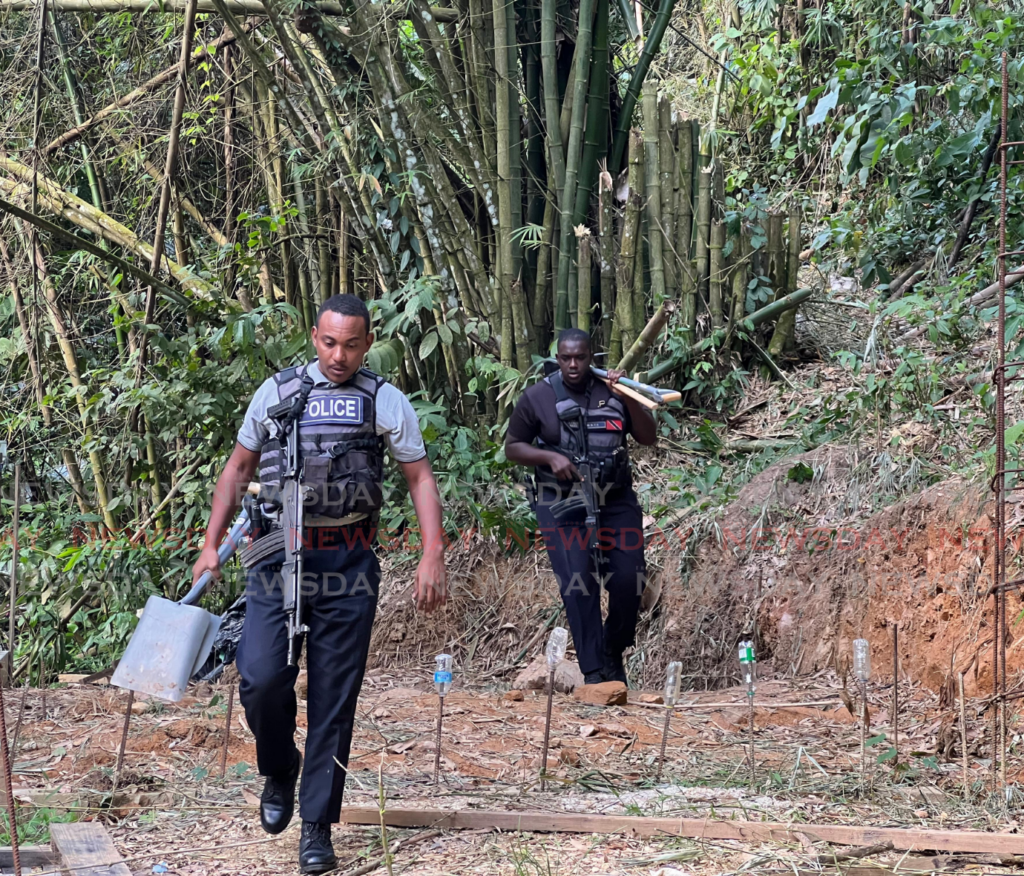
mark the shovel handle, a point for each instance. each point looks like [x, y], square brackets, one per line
[226, 550]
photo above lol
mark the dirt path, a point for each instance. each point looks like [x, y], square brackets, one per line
[174, 811]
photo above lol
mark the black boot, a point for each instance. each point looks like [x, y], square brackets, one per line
[614, 669]
[277, 802]
[595, 677]
[316, 854]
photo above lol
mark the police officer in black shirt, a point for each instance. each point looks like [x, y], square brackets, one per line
[572, 414]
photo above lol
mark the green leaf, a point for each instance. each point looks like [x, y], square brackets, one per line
[887, 755]
[428, 344]
[445, 333]
[874, 740]
[827, 102]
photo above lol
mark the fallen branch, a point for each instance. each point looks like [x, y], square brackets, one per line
[697, 828]
[243, 7]
[647, 337]
[855, 854]
[976, 300]
[200, 54]
[92, 249]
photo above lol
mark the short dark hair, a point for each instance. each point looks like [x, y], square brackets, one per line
[572, 335]
[346, 305]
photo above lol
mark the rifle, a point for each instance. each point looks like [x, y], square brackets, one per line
[583, 496]
[292, 518]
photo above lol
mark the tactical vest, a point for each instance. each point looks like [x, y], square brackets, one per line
[597, 432]
[341, 454]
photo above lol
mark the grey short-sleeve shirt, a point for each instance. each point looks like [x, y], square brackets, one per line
[396, 419]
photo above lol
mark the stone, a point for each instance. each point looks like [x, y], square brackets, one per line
[653, 698]
[512, 696]
[569, 756]
[302, 685]
[607, 693]
[535, 676]
[588, 730]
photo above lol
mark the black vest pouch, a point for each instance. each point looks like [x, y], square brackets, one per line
[315, 471]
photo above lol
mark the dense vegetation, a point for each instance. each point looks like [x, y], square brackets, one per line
[388, 150]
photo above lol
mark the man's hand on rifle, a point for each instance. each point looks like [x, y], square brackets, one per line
[562, 467]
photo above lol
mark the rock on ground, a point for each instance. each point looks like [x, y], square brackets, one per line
[535, 676]
[608, 693]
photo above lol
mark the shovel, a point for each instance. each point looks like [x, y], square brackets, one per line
[173, 639]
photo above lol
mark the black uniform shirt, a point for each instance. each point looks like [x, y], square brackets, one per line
[535, 416]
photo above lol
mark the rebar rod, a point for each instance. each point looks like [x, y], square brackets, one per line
[547, 731]
[124, 739]
[9, 787]
[896, 694]
[664, 742]
[437, 741]
[227, 732]
[963, 734]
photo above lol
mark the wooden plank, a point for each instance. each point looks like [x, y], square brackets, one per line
[31, 856]
[85, 849]
[695, 828]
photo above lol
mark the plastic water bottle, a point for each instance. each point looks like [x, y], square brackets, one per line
[443, 674]
[673, 682]
[557, 642]
[861, 659]
[748, 663]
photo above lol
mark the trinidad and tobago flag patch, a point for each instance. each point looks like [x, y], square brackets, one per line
[604, 425]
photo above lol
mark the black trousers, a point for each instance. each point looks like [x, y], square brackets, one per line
[622, 571]
[340, 588]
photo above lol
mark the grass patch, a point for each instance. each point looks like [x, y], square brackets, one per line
[33, 825]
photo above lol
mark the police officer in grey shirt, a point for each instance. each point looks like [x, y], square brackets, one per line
[348, 416]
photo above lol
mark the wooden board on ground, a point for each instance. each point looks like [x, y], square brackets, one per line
[31, 857]
[84, 849]
[903, 839]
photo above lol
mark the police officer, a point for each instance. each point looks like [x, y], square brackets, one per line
[348, 416]
[568, 416]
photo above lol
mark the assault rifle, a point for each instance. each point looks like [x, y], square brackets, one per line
[294, 494]
[583, 496]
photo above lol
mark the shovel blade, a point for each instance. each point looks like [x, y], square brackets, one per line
[170, 643]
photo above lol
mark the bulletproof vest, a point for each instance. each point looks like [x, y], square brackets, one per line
[596, 432]
[341, 454]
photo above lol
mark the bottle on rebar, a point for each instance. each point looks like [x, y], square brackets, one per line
[443, 674]
[748, 663]
[861, 659]
[673, 682]
[557, 643]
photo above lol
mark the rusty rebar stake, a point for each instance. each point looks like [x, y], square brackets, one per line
[963, 735]
[227, 732]
[124, 739]
[437, 742]
[753, 768]
[896, 694]
[547, 732]
[664, 741]
[863, 727]
[9, 787]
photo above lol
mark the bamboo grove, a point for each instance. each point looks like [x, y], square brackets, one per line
[487, 173]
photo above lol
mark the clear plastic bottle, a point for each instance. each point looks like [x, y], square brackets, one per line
[748, 663]
[557, 643]
[443, 674]
[861, 659]
[673, 682]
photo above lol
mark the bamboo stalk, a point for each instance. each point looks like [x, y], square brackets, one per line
[757, 318]
[169, 170]
[669, 171]
[53, 311]
[784, 337]
[740, 277]
[652, 178]
[567, 201]
[776, 254]
[584, 286]
[595, 137]
[648, 336]
[717, 275]
[684, 231]
[623, 331]
[636, 82]
[702, 266]
[607, 254]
